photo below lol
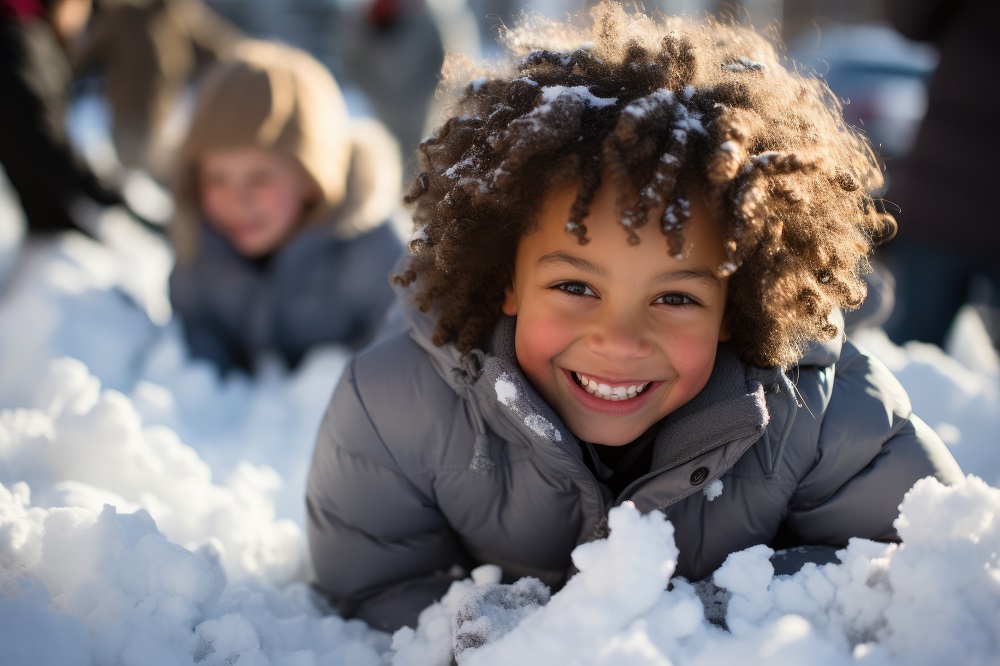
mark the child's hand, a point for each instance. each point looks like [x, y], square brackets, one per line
[488, 612]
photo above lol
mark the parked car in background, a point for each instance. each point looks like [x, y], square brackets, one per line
[880, 77]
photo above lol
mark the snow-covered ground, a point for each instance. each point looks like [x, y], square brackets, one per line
[151, 512]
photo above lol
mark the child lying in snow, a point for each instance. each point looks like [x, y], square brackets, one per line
[283, 231]
[633, 249]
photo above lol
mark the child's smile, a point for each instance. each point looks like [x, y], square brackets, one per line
[616, 336]
[612, 397]
[608, 389]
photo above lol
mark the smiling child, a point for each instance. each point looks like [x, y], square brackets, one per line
[634, 243]
[614, 336]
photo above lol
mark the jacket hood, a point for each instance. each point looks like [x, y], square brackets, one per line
[494, 386]
[374, 181]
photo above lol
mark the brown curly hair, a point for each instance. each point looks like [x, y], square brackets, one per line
[662, 108]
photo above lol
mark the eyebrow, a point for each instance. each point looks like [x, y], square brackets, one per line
[700, 274]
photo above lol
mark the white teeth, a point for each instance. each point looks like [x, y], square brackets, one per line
[606, 392]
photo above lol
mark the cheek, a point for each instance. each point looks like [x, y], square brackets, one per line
[282, 204]
[693, 359]
[540, 337]
[215, 202]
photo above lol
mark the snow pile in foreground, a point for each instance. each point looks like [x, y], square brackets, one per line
[83, 447]
[112, 589]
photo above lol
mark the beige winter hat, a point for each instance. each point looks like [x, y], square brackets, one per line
[272, 96]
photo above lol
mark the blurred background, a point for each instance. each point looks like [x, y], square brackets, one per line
[881, 75]
[386, 54]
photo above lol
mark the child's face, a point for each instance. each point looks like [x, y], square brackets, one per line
[253, 197]
[636, 323]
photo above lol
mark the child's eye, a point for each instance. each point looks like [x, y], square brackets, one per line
[675, 298]
[575, 288]
[213, 180]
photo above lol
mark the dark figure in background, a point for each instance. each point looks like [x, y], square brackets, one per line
[35, 78]
[945, 254]
[148, 52]
[393, 51]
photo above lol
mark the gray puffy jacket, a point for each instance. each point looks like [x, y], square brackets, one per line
[426, 460]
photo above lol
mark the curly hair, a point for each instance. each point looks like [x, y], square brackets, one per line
[663, 109]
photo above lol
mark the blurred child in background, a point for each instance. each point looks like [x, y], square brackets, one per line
[284, 230]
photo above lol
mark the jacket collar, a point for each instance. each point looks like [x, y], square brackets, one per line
[732, 405]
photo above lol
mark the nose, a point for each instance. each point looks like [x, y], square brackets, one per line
[619, 336]
[241, 200]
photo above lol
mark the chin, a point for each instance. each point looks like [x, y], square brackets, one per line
[252, 250]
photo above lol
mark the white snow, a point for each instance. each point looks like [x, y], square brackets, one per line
[744, 64]
[506, 390]
[542, 427]
[730, 147]
[151, 512]
[641, 107]
[509, 395]
[552, 93]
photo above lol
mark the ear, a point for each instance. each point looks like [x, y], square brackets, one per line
[509, 305]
